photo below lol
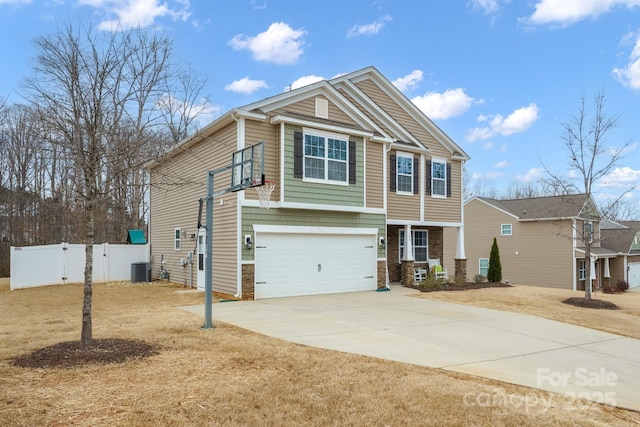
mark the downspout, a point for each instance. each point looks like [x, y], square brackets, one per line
[239, 144]
[384, 204]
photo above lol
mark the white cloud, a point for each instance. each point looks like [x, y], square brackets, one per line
[369, 29]
[137, 13]
[518, 121]
[501, 164]
[489, 7]
[280, 44]
[623, 178]
[630, 74]
[450, 103]
[409, 81]
[246, 85]
[304, 81]
[567, 12]
[487, 146]
[531, 175]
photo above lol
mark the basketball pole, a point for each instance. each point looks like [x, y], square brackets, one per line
[208, 266]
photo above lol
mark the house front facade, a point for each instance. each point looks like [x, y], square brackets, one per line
[357, 168]
[542, 241]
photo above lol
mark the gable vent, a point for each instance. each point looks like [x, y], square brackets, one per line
[322, 108]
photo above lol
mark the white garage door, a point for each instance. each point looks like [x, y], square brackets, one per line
[308, 264]
[634, 274]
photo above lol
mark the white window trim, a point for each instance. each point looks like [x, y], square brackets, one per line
[413, 239]
[502, 233]
[177, 241]
[480, 266]
[325, 135]
[444, 162]
[400, 154]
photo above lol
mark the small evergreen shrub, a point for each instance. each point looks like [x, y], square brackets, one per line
[495, 268]
[432, 283]
[478, 278]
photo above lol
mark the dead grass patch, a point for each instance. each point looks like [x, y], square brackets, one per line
[548, 303]
[230, 376]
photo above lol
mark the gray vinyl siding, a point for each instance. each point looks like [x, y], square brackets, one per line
[177, 185]
[299, 191]
[256, 131]
[311, 218]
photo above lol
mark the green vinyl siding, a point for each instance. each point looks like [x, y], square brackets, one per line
[299, 191]
[309, 218]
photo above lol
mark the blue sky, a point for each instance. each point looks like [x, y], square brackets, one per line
[498, 76]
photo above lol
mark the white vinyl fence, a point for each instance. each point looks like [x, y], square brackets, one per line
[33, 266]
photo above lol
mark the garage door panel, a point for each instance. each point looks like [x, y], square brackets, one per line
[301, 264]
[634, 274]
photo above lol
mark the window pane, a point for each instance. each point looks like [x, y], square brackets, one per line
[405, 183]
[314, 168]
[484, 266]
[420, 238]
[337, 171]
[438, 170]
[405, 165]
[337, 149]
[438, 187]
[314, 146]
[420, 254]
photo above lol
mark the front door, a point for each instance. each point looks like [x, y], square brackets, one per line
[202, 247]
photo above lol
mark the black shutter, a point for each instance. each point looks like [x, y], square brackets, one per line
[416, 176]
[428, 178]
[352, 162]
[297, 154]
[448, 179]
[392, 172]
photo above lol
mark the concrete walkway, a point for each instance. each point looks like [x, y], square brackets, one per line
[513, 348]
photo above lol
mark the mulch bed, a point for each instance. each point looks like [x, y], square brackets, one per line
[73, 354]
[591, 303]
[464, 287]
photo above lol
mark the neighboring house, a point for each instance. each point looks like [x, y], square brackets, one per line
[358, 167]
[624, 238]
[541, 241]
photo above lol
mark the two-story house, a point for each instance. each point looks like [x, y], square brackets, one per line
[365, 183]
[542, 241]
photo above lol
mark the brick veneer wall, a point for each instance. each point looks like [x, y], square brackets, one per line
[382, 274]
[248, 287]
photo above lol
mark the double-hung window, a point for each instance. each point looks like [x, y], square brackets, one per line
[438, 178]
[484, 266]
[420, 245]
[505, 229]
[177, 243]
[404, 172]
[582, 269]
[326, 157]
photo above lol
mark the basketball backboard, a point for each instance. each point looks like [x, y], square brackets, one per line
[247, 167]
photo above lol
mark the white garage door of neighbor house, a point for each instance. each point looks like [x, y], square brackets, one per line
[308, 264]
[634, 274]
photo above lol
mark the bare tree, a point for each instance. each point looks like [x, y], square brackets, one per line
[592, 158]
[95, 92]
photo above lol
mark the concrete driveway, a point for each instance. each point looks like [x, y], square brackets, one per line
[513, 348]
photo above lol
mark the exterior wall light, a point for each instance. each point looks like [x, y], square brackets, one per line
[247, 241]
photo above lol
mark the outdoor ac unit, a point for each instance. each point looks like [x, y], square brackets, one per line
[141, 272]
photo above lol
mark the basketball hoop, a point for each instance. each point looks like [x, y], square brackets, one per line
[264, 193]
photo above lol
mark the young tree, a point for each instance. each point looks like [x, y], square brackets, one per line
[91, 89]
[495, 267]
[592, 158]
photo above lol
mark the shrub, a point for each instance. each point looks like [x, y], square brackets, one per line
[495, 268]
[478, 278]
[432, 283]
[609, 288]
[622, 285]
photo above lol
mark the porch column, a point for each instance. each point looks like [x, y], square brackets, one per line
[408, 264]
[593, 271]
[606, 278]
[460, 273]
[607, 273]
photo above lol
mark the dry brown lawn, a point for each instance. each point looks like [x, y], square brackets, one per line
[230, 376]
[547, 303]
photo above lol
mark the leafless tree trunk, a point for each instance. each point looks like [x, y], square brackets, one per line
[592, 158]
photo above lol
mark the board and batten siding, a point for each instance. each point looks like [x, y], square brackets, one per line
[309, 218]
[299, 191]
[177, 185]
[537, 253]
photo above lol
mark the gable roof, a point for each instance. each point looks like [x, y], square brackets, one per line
[618, 239]
[542, 208]
[370, 119]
